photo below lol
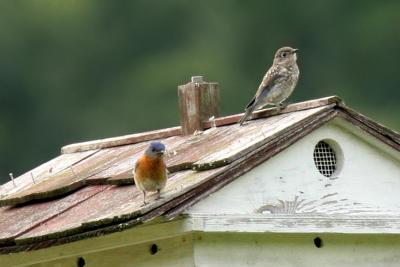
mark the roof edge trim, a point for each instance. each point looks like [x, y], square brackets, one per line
[384, 134]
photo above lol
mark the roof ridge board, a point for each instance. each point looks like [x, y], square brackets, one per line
[200, 165]
[267, 112]
[173, 131]
[121, 140]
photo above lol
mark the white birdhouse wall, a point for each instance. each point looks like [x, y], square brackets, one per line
[365, 179]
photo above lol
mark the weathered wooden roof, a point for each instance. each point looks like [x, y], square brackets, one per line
[88, 190]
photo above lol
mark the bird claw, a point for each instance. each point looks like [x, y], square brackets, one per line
[283, 105]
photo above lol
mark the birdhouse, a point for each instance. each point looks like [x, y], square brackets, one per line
[317, 184]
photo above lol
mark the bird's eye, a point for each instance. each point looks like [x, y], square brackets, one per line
[154, 150]
[283, 54]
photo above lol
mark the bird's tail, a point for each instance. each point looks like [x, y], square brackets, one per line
[248, 112]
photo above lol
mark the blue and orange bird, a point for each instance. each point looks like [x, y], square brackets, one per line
[150, 173]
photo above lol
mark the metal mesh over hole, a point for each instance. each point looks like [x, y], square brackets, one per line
[325, 159]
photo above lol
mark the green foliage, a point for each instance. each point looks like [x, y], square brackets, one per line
[79, 70]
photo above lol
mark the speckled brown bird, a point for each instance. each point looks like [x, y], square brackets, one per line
[277, 84]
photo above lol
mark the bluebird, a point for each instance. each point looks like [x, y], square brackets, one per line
[277, 84]
[150, 172]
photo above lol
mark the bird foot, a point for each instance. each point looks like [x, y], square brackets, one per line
[158, 194]
[243, 123]
[143, 204]
[283, 105]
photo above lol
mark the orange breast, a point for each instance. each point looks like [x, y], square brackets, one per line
[151, 168]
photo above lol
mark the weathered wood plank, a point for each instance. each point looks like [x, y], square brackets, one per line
[15, 221]
[379, 131]
[198, 101]
[126, 205]
[248, 138]
[215, 140]
[121, 140]
[108, 166]
[213, 148]
[99, 242]
[70, 178]
[189, 107]
[120, 172]
[295, 223]
[43, 172]
[119, 165]
[221, 145]
[262, 113]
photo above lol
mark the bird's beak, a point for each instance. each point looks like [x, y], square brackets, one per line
[161, 152]
[295, 50]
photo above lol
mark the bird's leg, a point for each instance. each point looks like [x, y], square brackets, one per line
[280, 106]
[144, 198]
[283, 105]
[158, 193]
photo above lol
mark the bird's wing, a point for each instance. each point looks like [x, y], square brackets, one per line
[251, 103]
[273, 75]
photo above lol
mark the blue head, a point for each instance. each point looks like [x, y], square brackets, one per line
[155, 149]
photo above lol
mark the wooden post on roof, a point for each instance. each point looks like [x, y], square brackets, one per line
[198, 101]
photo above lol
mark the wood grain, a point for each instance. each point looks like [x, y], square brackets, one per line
[197, 102]
[262, 113]
[121, 140]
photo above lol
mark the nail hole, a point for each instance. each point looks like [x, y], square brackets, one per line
[153, 249]
[81, 262]
[318, 242]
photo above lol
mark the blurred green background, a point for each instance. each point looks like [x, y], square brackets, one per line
[78, 70]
